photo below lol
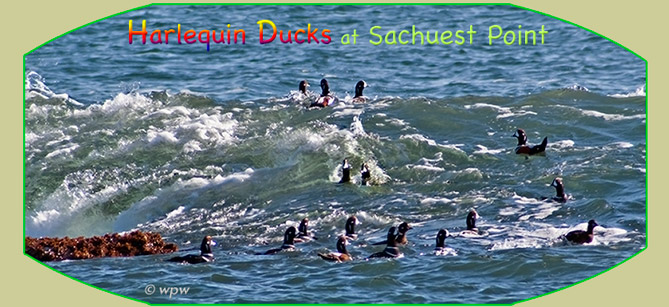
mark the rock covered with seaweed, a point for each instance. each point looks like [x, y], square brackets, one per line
[135, 243]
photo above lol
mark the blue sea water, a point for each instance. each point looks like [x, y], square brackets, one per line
[187, 142]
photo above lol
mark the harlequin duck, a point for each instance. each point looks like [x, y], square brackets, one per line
[523, 148]
[401, 237]
[350, 228]
[441, 238]
[345, 172]
[288, 242]
[560, 196]
[391, 250]
[471, 223]
[205, 253]
[580, 236]
[365, 174]
[303, 87]
[326, 97]
[341, 255]
[359, 98]
[303, 234]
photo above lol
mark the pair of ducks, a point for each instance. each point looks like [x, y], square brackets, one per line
[574, 237]
[396, 236]
[365, 174]
[293, 235]
[326, 98]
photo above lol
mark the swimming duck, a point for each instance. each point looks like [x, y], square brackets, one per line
[359, 98]
[401, 237]
[341, 255]
[288, 242]
[441, 245]
[345, 172]
[580, 236]
[350, 227]
[303, 234]
[205, 253]
[326, 97]
[365, 174]
[391, 250]
[303, 87]
[523, 148]
[560, 196]
[471, 223]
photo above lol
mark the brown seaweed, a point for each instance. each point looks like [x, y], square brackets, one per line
[135, 243]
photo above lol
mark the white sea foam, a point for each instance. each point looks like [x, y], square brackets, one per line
[639, 92]
[156, 137]
[180, 193]
[422, 139]
[504, 112]
[484, 150]
[620, 145]
[561, 144]
[356, 127]
[66, 150]
[435, 200]
[613, 117]
[63, 209]
[540, 235]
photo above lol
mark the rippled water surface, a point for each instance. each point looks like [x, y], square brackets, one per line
[185, 142]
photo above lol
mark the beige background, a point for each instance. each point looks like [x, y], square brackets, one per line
[638, 25]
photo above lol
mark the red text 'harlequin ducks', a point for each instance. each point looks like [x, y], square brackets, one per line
[205, 253]
[523, 148]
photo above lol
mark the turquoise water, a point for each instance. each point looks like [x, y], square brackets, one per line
[185, 142]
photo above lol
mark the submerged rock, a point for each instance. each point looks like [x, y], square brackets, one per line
[110, 245]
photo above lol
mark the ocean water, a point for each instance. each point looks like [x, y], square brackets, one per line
[188, 142]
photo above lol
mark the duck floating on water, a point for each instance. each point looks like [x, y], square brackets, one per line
[582, 237]
[472, 216]
[341, 255]
[359, 87]
[206, 255]
[350, 227]
[303, 234]
[523, 149]
[326, 97]
[288, 242]
[391, 250]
